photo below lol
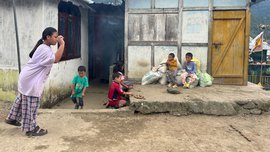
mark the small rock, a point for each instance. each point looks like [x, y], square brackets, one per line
[255, 111]
[241, 102]
[173, 90]
[249, 105]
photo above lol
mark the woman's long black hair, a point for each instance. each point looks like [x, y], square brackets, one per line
[47, 32]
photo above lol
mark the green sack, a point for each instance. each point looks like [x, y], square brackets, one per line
[206, 80]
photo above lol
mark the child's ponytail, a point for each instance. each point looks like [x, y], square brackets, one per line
[36, 46]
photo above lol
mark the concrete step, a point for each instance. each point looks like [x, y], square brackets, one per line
[217, 100]
[84, 111]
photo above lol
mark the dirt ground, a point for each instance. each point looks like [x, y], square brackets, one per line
[94, 98]
[116, 130]
[110, 130]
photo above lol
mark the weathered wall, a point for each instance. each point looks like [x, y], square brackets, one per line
[181, 25]
[58, 85]
[27, 37]
[33, 18]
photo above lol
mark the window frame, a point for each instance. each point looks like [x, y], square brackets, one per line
[72, 37]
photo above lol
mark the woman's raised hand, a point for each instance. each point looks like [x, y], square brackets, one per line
[60, 40]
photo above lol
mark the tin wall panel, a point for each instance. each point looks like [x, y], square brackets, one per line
[161, 53]
[199, 53]
[195, 27]
[139, 61]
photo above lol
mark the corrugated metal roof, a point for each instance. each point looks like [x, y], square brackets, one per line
[82, 3]
[111, 2]
[85, 3]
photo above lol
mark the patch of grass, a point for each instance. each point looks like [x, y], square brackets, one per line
[7, 96]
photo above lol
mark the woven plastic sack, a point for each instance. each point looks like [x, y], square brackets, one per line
[197, 63]
[206, 80]
[151, 77]
[162, 70]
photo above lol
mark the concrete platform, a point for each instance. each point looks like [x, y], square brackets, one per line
[220, 100]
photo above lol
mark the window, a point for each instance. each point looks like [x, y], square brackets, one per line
[69, 25]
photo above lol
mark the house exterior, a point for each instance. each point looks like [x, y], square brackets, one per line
[32, 18]
[215, 31]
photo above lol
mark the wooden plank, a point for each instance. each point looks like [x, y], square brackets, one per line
[171, 28]
[126, 39]
[152, 55]
[152, 4]
[246, 55]
[160, 27]
[228, 46]
[180, 35]
[156, 43]
[195, 44]
[233, 61]
[231, 8]
[228, 14]
[147, 27]
[196, 9]
[154, 11]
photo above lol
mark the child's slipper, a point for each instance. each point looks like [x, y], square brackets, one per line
[266, 88]
[37, 132]
[13, 122]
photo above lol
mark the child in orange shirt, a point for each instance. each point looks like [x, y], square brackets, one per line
[171, 70]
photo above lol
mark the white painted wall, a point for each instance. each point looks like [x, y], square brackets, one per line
[33, 17]
[198, 52]
[139, 61]
[64, 71]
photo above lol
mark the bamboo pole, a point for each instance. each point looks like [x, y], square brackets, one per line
[17, 37]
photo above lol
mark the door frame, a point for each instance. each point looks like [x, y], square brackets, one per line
[246, 37]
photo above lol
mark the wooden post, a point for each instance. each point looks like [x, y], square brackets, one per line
[246, 54]
[210, 35]
[261, 67]
[17, 36]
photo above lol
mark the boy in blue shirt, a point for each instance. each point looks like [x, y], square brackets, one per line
[79, 85]
[190, 70]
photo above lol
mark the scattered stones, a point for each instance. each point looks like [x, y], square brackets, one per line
[255, 111]
[241, 102]
[173, 90]
[249, 105]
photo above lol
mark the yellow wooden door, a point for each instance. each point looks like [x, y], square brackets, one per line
[228, 47]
